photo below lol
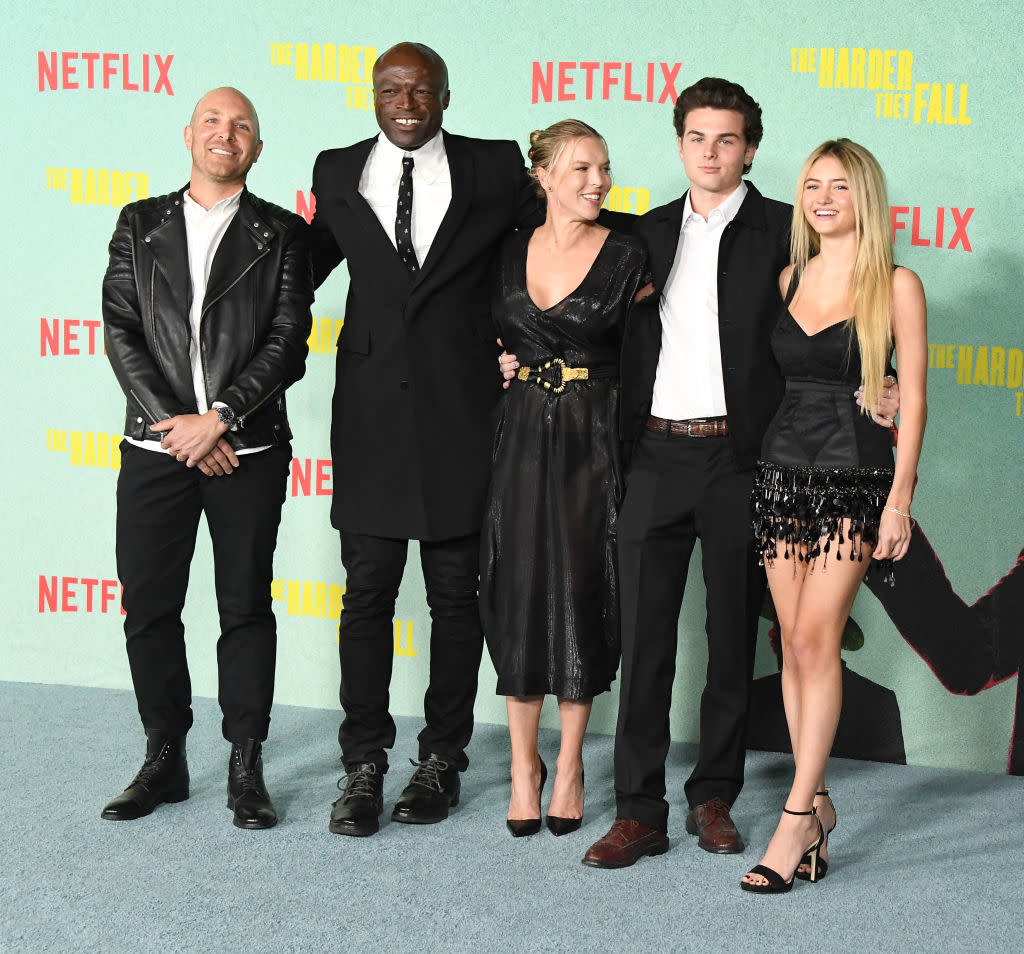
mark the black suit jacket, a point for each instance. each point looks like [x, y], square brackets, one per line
[416, 369]
[753, 251]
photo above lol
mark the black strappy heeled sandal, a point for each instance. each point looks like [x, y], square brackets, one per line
[801, 873]
[775, 883]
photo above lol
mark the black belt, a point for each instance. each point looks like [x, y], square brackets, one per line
[554, 374]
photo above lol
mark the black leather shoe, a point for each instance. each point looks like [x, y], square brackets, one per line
[162, 778]
[247, 795]
[358, 810]
[431, 792]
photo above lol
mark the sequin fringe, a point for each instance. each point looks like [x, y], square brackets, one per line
[806, 508]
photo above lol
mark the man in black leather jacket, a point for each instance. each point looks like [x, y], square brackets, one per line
[206, 310]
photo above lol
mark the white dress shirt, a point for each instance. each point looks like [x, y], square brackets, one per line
[204, 229]
[431, 188]
[689, 380]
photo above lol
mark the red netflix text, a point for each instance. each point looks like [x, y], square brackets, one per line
[72, 594]
[590, 79]
[311, 477]
[70, 336]
[925, 231]
[132, 72]
[305, 205]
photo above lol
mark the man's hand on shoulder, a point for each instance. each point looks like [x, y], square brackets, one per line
[191, 438]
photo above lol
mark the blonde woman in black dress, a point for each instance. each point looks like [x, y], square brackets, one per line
[827, 498]
[548, 587]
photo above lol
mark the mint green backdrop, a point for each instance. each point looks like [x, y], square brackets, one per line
[868, 67]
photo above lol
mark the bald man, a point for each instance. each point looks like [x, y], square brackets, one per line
[206, 312]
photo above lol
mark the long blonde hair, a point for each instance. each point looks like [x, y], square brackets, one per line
[871, 281]
[547, 145]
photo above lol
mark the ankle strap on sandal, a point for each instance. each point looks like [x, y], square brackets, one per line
[813, 811]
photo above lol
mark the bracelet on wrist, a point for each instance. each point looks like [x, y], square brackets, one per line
[894, 510]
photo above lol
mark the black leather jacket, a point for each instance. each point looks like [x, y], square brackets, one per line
[254, 326]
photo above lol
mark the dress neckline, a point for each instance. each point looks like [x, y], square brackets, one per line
[794, 281]
[567, 296]
[814, 334]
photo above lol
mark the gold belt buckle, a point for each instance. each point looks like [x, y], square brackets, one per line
[537, 375]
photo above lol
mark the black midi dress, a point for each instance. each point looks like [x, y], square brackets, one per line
[549, 595]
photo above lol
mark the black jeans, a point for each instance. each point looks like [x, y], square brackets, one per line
[680, 489]
[159, 503]
[374, 568]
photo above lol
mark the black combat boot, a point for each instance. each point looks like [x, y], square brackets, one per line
[247, 795]
[162, 778]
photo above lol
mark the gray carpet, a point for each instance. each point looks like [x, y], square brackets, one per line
[922, 860]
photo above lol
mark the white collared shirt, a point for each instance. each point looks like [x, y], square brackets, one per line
[204, 229]
[431, 188]
[689, 381]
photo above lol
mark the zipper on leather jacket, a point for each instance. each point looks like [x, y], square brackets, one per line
[241, 275]
[256, 407]
[141, 404]
[202, 354]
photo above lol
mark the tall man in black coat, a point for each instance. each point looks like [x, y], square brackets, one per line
[418, 214]
[699, 387]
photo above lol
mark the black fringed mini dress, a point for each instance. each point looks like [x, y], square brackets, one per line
[549, 594]
[822, 460]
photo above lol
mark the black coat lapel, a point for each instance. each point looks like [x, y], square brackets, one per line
[663, 239]
[463, 176]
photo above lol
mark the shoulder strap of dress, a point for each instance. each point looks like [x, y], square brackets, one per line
[794, 280]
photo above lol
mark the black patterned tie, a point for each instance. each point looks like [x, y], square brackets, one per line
[403, 219]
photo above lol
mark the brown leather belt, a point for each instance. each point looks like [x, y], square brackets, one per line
[695, 427]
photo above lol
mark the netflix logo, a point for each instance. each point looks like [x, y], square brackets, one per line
[566, 81]
[130, 72]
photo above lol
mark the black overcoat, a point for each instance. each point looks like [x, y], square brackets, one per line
[417, 375]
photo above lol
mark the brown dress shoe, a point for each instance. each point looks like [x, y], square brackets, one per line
[626, 843]
[714, 828]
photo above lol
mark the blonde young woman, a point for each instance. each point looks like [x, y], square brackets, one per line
[548, 590]
[827, 498]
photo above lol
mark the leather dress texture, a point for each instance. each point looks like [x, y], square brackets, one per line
[549, 594]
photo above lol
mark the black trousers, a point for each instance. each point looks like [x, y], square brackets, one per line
[159, 503]
[680, 489]
[374, 568]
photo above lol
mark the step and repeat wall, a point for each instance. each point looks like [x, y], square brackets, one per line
[95, 100]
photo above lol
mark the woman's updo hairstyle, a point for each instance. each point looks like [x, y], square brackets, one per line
[547, 145]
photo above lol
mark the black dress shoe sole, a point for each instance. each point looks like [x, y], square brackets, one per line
[169, 799]
[659, 848]
[354, 829]
[414, 818]
[252, 824]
